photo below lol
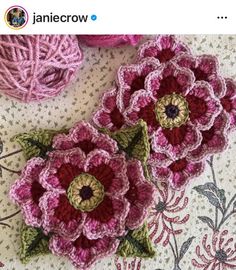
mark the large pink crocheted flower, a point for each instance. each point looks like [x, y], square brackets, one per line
[86, 194]
[175, 108]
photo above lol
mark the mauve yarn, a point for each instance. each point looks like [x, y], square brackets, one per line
[109, 40]
[37, 67]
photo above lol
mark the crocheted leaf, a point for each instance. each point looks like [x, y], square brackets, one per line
[36, 143]
[136, 244]
[134, 141]
[33, 243]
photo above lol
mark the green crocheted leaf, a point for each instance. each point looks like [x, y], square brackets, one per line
[136, 243]
[134, 141]
[36, 143]
[33, 243]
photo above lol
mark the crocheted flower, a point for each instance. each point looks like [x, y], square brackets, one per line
[161, 217]
[205, 68]
[131, 78]
[86, 137]
[164, 48]
[109, 116]
[218, 254]
[228, 102]
[179, 172]
[85, 194]
[27, 191]
[83, 252]
[175, 110]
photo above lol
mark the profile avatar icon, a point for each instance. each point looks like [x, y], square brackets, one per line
[16, 17]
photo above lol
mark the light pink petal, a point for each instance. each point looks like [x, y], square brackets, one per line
[32, 214]
[20, 191]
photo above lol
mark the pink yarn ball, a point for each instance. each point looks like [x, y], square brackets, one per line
[109, 40]
[37, 67]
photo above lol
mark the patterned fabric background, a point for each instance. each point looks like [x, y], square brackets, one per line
[192, 214]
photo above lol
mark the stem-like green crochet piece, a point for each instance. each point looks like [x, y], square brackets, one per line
[33, 243]
[136, 243]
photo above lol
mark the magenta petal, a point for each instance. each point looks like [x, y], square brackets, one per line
[60, 217]
[108, 219]
[215, 139]
[191, 140]
[83, 252]
[32, 214]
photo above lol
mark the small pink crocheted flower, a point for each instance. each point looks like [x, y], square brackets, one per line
[83, 252]
[228, 102]
[205, 68]
[179, 172]
[85, 137]
[164, 48]
[175, 109]
[27, 191]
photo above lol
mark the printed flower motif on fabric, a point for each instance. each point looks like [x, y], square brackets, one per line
[84, 198]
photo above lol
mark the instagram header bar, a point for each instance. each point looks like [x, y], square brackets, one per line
[117, 17]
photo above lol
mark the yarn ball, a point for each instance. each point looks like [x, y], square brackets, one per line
[37, 67]
[109, 40]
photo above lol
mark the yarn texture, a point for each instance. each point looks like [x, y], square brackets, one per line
[109, 40]
[37, 67]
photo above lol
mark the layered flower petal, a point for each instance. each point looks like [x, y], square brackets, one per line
[83, 252]
[27, 191]
[60, 217]
[132, 78]
[85, 137]
[179, 172]
[229, 102]
[140, 195]
[108, 219]
[214, 140]
[109, 115]
[164, 48]
[205, 68]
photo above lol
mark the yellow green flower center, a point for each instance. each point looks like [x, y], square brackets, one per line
[172, 111]
[85, 192]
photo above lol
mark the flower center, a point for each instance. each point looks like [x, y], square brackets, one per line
[160, 207]
[85, 192]
[172, 111]
[220, 255]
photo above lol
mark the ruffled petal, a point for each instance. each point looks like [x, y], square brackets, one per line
[108, 219]
[164, 48]
[60, 217]
[176, 142]
[203, 105]
[132, 78]
[83, 252]
[214, 140]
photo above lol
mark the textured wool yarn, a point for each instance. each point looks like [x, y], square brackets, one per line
[109, 40]
[37, 67]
